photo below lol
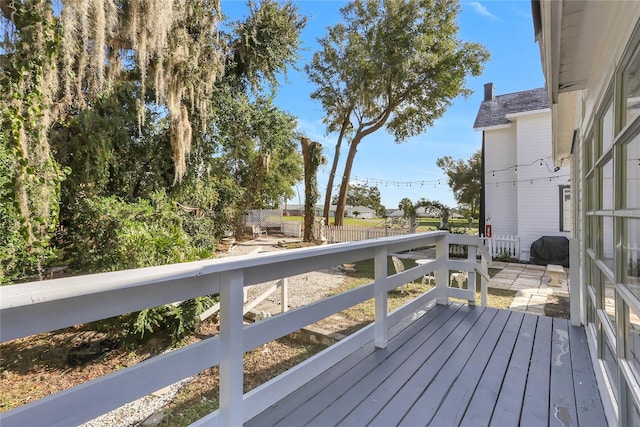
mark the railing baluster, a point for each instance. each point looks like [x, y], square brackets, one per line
[231, 348]
[381, 326]
[284, 294]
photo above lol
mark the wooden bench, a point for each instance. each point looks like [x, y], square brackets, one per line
[554, 271]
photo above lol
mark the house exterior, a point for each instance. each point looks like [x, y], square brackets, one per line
[591, 60]
[524, 193]
[363, 212]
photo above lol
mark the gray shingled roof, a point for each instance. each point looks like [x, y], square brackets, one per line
[493, 112]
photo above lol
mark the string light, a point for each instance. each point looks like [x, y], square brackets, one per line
[387, 183]
[515, 167]
[529, 180]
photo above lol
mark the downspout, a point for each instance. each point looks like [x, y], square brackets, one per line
[481, 220]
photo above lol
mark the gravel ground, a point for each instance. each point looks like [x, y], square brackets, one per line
[303, 289]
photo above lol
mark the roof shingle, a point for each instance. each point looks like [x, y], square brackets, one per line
[494, 112]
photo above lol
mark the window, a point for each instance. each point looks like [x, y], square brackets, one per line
[631, 88]
[631, 152]
[566, 211]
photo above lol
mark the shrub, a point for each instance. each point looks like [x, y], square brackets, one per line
[109, 234]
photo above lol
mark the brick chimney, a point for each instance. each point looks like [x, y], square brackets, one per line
[488, 92]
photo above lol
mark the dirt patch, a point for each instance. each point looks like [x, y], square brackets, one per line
[557, 306]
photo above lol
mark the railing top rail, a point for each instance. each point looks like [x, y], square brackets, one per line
[255, 265]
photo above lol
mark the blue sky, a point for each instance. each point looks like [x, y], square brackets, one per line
[409, 169]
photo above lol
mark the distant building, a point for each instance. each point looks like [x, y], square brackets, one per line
[524, 194]
[363, 211]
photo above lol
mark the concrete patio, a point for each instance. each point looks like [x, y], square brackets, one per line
[531, 282]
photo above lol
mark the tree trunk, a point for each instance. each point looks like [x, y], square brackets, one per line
[346, 177]
[311, 163]
[332, 174]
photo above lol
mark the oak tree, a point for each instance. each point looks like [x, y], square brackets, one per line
[397, 64]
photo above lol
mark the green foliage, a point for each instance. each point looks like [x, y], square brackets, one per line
[465, 180]
[253, 147]
[29, 178]
[179, 320]
[505, 256]
[408, 210]
[109, 234]
[397, 64]
[363, 195]
[435, 208]
[265, 43]
[111, 152]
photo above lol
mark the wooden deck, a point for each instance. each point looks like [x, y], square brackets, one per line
[456, 366]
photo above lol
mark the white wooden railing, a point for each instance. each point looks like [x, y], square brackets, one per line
[36, 307]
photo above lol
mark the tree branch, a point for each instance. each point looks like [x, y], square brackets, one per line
[7, 8]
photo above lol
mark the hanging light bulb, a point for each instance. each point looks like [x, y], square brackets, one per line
[516, 170]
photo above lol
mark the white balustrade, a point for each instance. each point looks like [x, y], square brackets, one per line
[36, 307]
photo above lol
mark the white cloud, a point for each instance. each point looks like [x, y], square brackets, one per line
[481, 10]
[313, 130]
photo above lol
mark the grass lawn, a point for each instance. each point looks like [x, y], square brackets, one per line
[364, 312]
[424, 224]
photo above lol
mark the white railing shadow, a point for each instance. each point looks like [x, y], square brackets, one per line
[36, 307]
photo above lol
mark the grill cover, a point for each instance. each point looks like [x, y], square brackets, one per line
[550, 250]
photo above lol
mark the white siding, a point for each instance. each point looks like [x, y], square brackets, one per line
[500, 193]
[538, 200]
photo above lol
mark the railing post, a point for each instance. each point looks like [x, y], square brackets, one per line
[471, 275]
[380, 267]
[231, 348]
[442, 272]
[483, 282]
[575, 290]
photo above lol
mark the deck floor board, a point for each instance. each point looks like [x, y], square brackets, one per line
[562, 399]
[535, 408]
[458, 397]
[394, 373]
[478, 413]
[506, 411]
[588, 403]
[433, 396]
[457, 365]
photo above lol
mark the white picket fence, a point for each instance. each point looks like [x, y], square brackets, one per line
[293, 229]
[353, 233]
[502, 245]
